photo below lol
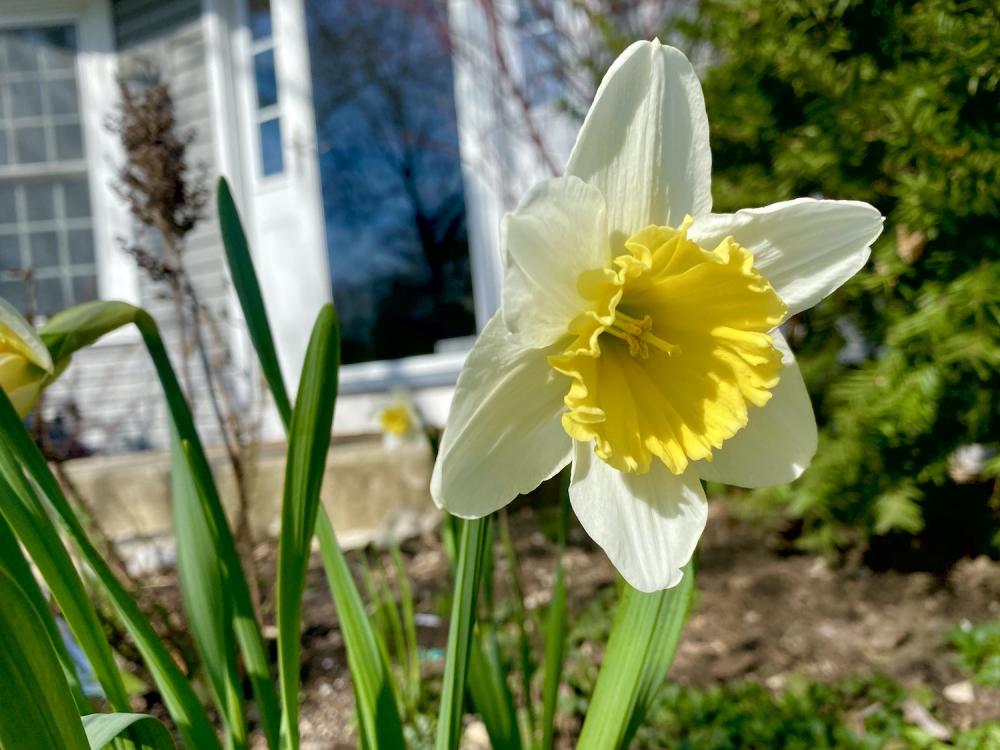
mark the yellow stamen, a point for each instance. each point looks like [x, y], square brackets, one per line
[638, 334]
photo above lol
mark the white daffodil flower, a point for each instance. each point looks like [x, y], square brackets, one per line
[638, 336]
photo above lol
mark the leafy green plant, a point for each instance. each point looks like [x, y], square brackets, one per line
[894, 103]
[977, 650]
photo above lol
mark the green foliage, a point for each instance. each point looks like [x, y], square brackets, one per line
[858, 714]
[978, 651]
[895, 103]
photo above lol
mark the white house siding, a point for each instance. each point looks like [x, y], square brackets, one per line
[113, 384]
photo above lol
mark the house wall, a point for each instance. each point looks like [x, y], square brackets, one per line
[112, 385]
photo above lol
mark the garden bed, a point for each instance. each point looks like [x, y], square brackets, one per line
[761, 614]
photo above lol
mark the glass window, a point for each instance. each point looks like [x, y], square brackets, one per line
[62, 96]
[10, 251]
[259, 13]
[272, 160]
[266, 85]
[47, 258]
[267, 81]
[391, 176]
[29, 145]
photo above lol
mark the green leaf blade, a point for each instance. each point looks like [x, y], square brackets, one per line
[474, 540]
[378, 713]
[146, 732]
[182, 703]
[241, 268]
[201, 573]
[308, 445]
[23, 511]
[642, 645]
[37, 711]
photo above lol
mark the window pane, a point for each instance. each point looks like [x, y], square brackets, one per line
[392, 184]
[49, 298]
[8, 203]
[30, 144]
[259, 12]
[267, 81]
[40, 201]
[13, 292]
[44, 250]
[44, 222]
[10, 252]
[22, 52]
[58, 47]
[69, 142]
[62, 97]
[25, 99]
[84, 288]
[271, 159]
[81, 246]
[76, 198]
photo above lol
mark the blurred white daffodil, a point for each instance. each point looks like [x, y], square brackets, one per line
[25, 363]
[638, 336]
[399, 421]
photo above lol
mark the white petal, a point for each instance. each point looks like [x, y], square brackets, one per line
[778, 443]
[503, 436]
[806, 248]
[644, 142]
[559, 231]
[648, 524]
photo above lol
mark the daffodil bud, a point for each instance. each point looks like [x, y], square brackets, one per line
[25, 364]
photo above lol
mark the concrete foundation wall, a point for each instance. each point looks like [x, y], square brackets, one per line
[371, 494]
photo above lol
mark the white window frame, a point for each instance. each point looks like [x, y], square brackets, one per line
[96, 65]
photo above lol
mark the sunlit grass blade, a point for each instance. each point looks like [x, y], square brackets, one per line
[13, 560]
[474, 538]
[486, 684]
[526, 663]
[241, 268]
[202, 579]
[389, 628]
[378, 712]
[146, 732]
[25, 514]
[491, 697]
[245, 624]
[640, 649]
[308, 445]
[82, 325]
[555, 653]
[411, 665]
[555, 630]
[37, 711]
[182, 703]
